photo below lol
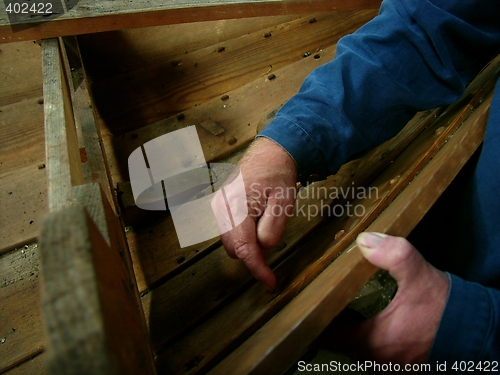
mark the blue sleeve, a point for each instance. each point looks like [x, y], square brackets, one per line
[470, 326]
[415, 55]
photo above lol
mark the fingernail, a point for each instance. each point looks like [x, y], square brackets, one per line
[370, 240]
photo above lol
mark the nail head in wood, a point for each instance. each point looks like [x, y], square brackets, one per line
[439, 130]
[339, 234]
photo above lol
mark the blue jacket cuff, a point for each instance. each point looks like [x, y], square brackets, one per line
[469, 328]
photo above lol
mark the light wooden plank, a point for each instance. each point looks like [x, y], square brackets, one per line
[23, 198]
[20, 320]
[89, 138]
[87, 300]
[93, 198]
[64, 168]
[22, 136]
[20, 72]
[33, 366]
[281, 342]
[23, 183]
[90, 17]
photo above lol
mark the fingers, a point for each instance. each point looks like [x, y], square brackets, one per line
[250, 240]
[393, 254]
[242, 243]
[271, 225]
[266, 169]
[404, 331]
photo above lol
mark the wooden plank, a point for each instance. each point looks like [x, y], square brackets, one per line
[23, 200]
[90, 17]
[89, 138]
[22, 136]
[93, 198]
[130, 49]
[64, 168]
[22, 184]
[20, 320]
[281, 342]
[87, 301]
[195, 351]
[151, 93]
[23, 190]
[20, 72]
[33, 366]
[212, 127]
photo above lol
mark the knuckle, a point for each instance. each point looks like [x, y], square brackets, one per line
[241, 250]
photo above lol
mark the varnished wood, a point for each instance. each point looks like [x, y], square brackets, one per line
[91, 17]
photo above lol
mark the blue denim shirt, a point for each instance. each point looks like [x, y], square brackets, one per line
[415, 55]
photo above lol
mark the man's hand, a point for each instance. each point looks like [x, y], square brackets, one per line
[269, 174]
[404, 331]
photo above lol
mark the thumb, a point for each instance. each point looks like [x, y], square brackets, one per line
[393, 254]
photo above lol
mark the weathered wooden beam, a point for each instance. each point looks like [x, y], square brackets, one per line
[281, 342]
[91, 318]
[91, 304]
[89, 16]
[64, 168]
[91, 153]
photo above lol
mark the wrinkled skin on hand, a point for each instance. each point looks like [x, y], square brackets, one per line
[269, 174]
